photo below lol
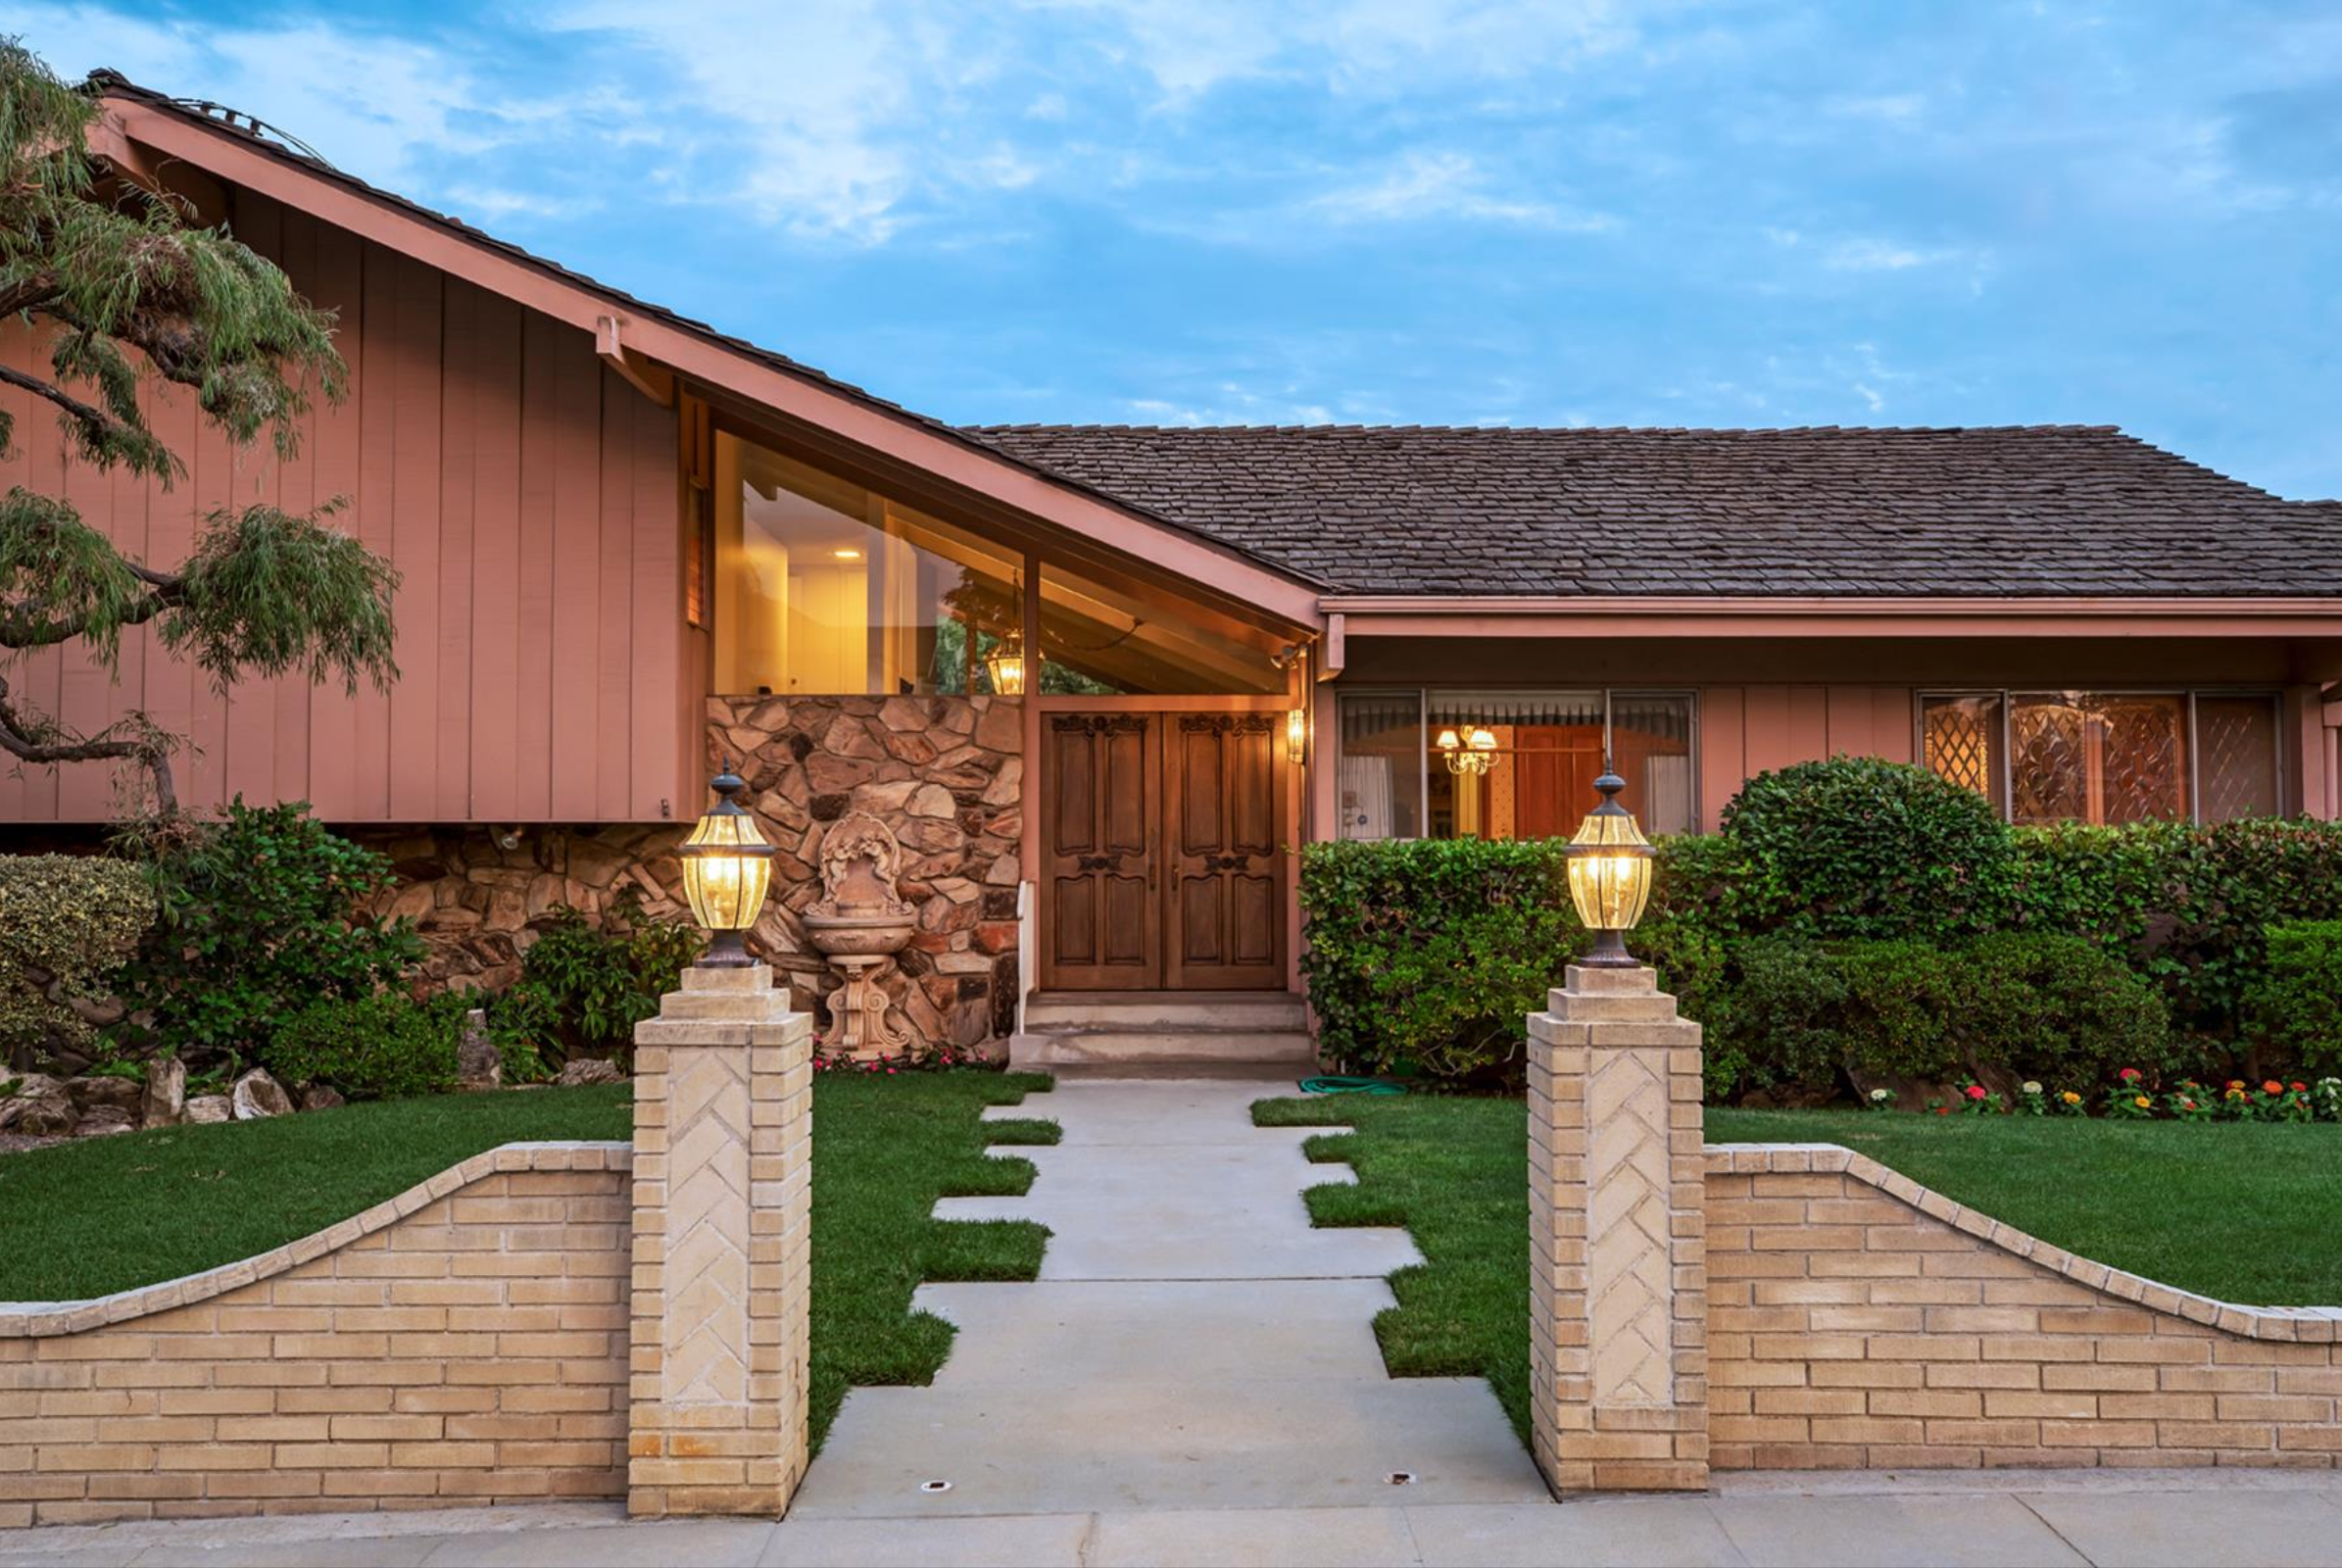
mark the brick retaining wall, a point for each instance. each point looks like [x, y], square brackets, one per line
[463, 1343]
[1857, 1320]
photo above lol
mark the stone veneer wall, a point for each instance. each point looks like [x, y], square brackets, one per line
[1857, 1320]
[945, 773]
[463, 1343]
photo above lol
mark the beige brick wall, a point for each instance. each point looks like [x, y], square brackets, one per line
[465, 1343]
[1857, 1320]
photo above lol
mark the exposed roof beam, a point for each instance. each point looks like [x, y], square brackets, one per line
[654, 381]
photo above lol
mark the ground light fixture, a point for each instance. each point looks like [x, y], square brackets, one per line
[1610, 875]
[727, 869]
[1472, 751]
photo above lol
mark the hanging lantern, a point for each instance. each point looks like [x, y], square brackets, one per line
[1005, 666]
[727, 867]
[1610, 875]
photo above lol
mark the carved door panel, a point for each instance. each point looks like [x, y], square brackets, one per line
[1101, 924]
[1224, 862]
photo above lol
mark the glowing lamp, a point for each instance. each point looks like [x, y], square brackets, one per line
[1296, 736]
[727, 869]
[1610, 875]
[1005, 664]
[1474, 750]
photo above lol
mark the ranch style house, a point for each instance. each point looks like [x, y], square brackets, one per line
[1103, 682]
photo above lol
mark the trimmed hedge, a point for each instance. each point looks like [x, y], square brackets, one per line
[2294, 1005]
[2142, 941]
[384, 1047]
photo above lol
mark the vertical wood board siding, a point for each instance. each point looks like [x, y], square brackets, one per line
[528, 496]
[1747, 730]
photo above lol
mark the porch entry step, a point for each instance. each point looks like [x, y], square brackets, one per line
[1066, 1028]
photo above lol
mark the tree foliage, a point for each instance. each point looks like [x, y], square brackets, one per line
[120, 288]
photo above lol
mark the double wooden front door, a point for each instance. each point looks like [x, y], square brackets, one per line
[1163, 835]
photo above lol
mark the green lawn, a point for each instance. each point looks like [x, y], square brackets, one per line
[89, 1218]
[2247, 1213]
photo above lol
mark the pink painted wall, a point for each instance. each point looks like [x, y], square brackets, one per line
[1744, 730]
[529, 496]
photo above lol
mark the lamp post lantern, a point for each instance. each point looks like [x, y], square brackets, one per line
[727, 869]
[1610, 875]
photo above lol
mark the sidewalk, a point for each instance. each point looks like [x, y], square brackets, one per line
[2118, 1519]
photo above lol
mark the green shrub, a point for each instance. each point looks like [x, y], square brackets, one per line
[584, 987]
[65, 920]
[2015, 1006]
[1428, 953]
[258, 915]
[1855, 847]
[387, 1045]
[2294, 1006]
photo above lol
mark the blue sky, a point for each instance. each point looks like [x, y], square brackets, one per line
[1391, 211]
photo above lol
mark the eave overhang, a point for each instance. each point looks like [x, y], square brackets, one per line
[1828, 616]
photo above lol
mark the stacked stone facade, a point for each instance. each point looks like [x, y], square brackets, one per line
[944, 774]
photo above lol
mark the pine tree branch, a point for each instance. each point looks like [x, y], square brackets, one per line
[100, 430]
[151, 752]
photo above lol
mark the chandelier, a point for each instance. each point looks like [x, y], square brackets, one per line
[1474, 750]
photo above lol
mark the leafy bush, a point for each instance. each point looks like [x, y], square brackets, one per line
[2294, 1005]
[2011, 1006]
[1855, 847]
[65, 920]
[1428, 953]
[583, 986]
[387, 1045]
[258, 915]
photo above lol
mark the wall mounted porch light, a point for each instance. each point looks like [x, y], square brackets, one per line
[727, 869]
[1296, 736]
[1610, 875]
[1473, 750]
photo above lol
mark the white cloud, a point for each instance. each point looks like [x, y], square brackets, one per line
[1445, 185]
[1864, 254]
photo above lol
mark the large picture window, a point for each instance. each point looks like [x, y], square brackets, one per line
[1508, 765]
[2108, 756]
[824, 587]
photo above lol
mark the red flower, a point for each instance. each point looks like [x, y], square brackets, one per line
[2301, 1089]
[2129, 1075]
[1976, 1090]
[1944, 1110]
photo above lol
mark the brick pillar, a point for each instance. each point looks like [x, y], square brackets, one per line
[722, 1219]
[1617, 1215]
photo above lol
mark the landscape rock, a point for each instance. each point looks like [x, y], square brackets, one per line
[163, 1101]
[208, 1109]
[106, 1090]
[321, 1097]
[257, 1096]
[586, 1070]
[39, 1108]
[101, 1121]
[479, 1064]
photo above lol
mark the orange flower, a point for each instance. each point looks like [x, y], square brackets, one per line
[2272, 1087]
[2070, 1098]
[2236, 1083]
[2142, 1102]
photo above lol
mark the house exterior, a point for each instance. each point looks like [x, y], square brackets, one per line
[1103, 682]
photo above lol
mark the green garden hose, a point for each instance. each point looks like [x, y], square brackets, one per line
[1350, 1086]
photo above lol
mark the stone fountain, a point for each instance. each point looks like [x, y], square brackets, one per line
[859, 923]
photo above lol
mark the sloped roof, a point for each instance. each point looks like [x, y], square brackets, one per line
[2046, 510]
[2020, 511]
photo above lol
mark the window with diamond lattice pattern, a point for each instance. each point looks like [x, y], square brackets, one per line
[1961, 742]
[2098, 757]
[2237, 755]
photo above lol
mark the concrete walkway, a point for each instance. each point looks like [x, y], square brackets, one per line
[1192, 1343]
[2118, 1519]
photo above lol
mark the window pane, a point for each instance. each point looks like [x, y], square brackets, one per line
[1650, 746]
[1960, 740]
[823, 588]
[1379, 783]
[1100, 638]
[2098, 757]
[2238, 741]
